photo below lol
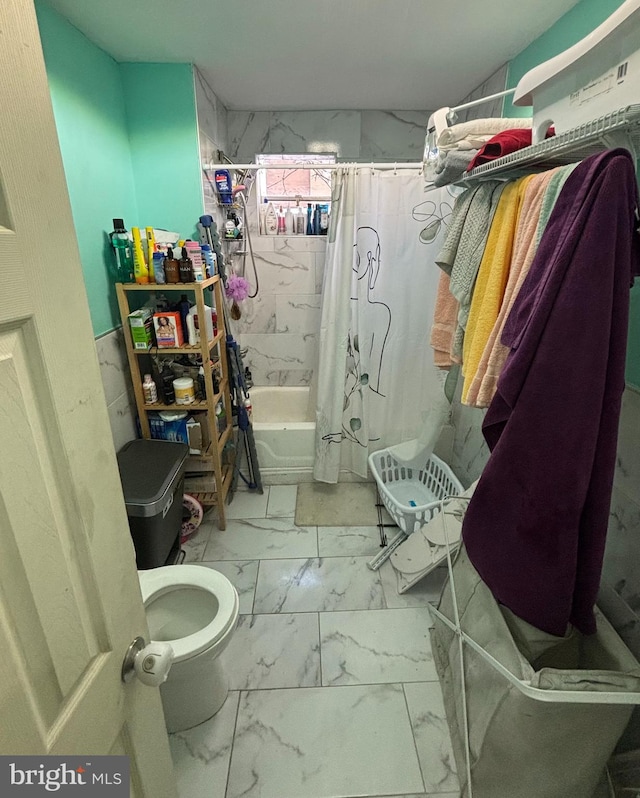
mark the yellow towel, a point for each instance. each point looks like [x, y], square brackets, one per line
[444, 323]
[483, 384]
[492, 279]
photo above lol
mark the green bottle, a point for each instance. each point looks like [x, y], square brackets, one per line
[123, 252]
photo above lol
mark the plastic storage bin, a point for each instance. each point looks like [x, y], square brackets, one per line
[152, 476]
[412, 495]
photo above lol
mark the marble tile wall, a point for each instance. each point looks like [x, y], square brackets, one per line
[212, 133]
[280, 326]
[114, 370]
[492, 85]
[352, 135]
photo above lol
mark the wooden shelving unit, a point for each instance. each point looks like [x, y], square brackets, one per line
[216, 478]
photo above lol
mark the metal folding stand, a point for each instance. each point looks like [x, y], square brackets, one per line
[245, 441]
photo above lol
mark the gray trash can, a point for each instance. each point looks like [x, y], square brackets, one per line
[152, 476]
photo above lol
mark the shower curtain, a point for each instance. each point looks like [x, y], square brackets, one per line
[376, 383]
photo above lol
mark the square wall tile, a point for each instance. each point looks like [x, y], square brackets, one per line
[298, 313]
[393, 135]
[248, 134]
[317, 132]
[122, 417]
[114, 368]
[279, 352]
[286, 272]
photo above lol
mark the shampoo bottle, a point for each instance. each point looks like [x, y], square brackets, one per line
[282, 225]
[185, 267]
[171, 268]
[209, 260]
[316, 221]
[263, 218]
[184, 307]
[149, 389]
[309, 219]
[288, 222]
[158, 268]
[271, 220]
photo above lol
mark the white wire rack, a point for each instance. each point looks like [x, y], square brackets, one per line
[619, 128]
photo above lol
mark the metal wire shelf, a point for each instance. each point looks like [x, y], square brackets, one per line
[619, 128]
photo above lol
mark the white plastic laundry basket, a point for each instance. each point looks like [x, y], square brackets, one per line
[412, 495]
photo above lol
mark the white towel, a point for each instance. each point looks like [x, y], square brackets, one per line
[479, 130]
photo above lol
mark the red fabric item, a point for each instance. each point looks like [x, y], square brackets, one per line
[504, 144]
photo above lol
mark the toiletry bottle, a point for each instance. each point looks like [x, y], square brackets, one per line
[282, 225]
[140, 268]
[158, 268]
[262, 214]
[230, 227]
[149, 389]
[123, 252]
[209, 260]
[309, 219]
[316, 221]
[288, 222]
[167, 386]
[184, 307]
[271, 220]
[324, 219]
[224, 186]
[171, 268]
[202, 391]
[197, 264]
[185, 267]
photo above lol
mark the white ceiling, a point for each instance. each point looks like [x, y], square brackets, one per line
[327, 54]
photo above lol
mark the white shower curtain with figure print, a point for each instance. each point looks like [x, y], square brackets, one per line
[376, 383]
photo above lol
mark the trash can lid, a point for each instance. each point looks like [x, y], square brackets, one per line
[148, 471]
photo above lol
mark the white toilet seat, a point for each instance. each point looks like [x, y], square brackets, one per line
[157, 581]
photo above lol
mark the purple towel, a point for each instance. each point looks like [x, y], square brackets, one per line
[536, 527]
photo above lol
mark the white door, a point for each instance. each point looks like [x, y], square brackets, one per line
[69, 598]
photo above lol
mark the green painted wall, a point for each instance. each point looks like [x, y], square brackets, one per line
[88, 103]
[569, 29]
[129, 140]
[163, 131]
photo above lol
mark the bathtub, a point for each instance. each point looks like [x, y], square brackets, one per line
[284, 432]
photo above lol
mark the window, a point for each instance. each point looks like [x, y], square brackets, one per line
[288, 186]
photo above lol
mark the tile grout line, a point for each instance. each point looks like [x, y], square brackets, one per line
[320, 651]
[233, 742]
[413, 734]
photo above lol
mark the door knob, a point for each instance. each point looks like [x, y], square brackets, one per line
[150, 663]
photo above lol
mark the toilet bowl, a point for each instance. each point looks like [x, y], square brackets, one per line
[195, 610]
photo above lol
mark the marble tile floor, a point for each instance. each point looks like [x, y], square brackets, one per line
[334, 692]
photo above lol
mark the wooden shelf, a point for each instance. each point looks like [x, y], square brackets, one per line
[210, 462]
[211, 499]
[185, 348]
[160, 407]
[170, 286]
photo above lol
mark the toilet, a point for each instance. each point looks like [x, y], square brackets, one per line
[195, 610]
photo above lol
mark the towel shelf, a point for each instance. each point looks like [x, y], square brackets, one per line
[619, 128]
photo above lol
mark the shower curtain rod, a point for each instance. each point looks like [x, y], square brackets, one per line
[242, 167]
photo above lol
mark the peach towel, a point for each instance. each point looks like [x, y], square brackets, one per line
[525, 245]
[445, 318]
[492, 279]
